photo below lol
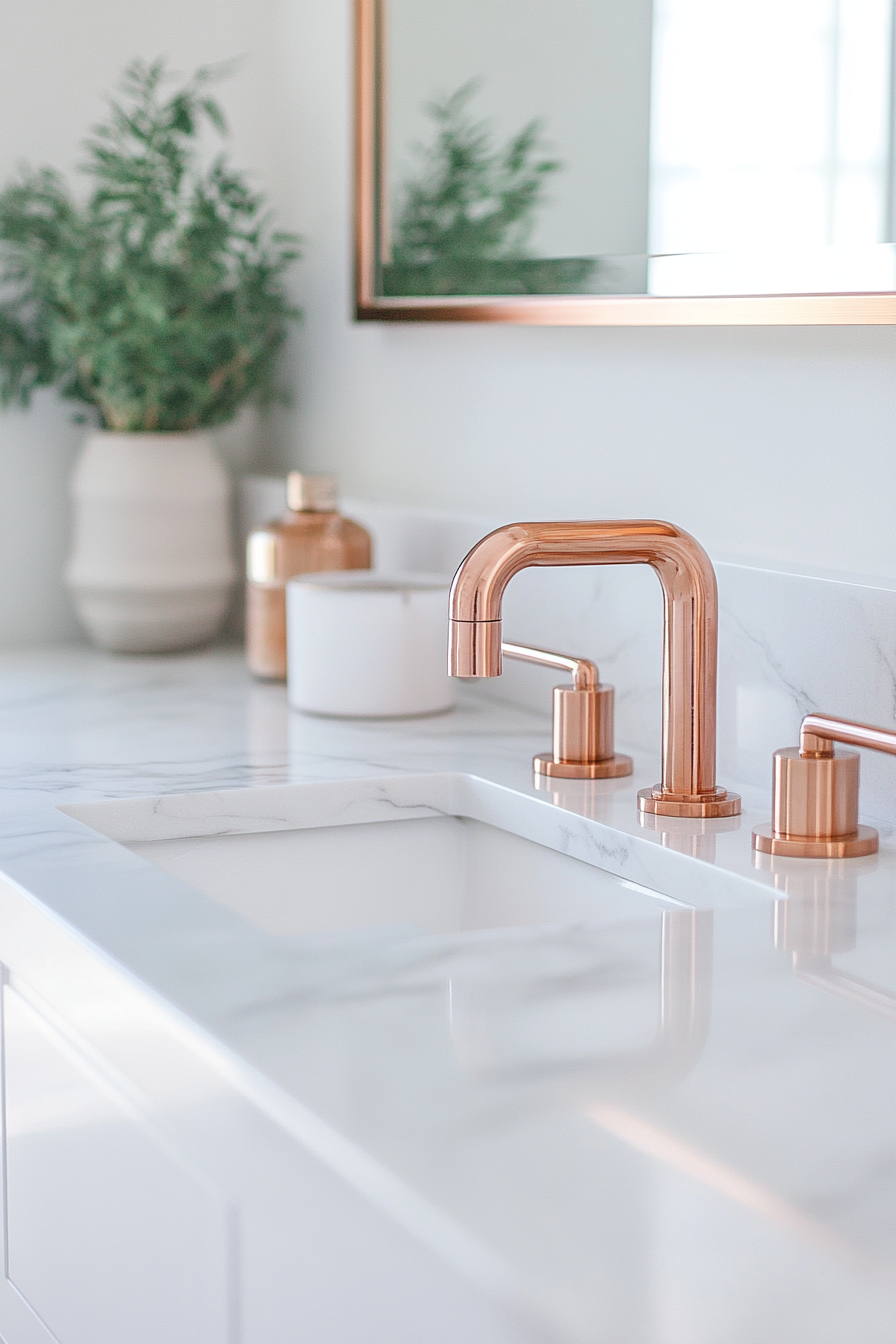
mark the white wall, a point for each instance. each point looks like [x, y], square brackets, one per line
[774, 443]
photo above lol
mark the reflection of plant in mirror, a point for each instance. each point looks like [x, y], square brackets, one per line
[464, 222]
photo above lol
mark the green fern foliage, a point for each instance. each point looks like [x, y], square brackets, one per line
[161, 299]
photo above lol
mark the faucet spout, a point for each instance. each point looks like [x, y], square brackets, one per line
[688, 786]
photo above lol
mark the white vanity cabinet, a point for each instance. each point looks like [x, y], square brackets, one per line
[158, 1191]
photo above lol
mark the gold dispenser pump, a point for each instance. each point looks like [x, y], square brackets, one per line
[583, 720]
[688, 787]
[815, 801]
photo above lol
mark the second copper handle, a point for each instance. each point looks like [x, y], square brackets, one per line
[815, 802]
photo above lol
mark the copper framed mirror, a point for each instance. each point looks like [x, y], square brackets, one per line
[625, 162]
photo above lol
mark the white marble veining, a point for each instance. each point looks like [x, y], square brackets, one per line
[633, 1168]
[791, 643]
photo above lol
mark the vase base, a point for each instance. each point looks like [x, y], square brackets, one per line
[159, 622]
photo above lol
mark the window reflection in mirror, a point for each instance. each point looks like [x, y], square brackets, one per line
[770, 146]
[679, 147]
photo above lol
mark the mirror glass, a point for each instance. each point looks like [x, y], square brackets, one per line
[672, 147]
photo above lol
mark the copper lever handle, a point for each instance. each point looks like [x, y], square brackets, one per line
[584, 672]
[583, 720]
[819, 732]
[815, 800]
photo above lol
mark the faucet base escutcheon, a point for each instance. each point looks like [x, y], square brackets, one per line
[864, 841]
[613, 767]
[661, 802]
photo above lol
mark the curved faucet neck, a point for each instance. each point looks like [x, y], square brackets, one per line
[691, 625]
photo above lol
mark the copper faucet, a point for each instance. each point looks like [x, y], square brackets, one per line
[688, 787]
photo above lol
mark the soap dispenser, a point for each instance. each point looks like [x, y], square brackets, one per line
[311, 536]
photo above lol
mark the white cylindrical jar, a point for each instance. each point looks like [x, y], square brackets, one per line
[151, 568]
[368, 645]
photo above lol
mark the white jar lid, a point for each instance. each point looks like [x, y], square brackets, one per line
[372, 581]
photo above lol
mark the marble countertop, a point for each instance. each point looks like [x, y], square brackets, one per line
[743, 1192]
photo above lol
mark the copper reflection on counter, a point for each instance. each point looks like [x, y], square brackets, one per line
[688, 787]
[816, 917]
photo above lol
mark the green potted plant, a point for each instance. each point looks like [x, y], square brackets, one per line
[159, 301]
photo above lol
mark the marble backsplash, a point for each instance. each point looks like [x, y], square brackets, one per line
[789, 642]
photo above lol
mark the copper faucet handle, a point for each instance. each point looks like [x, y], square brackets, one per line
[815, 800]
[583, 720]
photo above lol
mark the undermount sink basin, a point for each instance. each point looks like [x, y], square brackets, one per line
[301, 873]
[547, 958]
[440, 874]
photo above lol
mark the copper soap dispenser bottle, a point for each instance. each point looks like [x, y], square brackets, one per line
[311, 536]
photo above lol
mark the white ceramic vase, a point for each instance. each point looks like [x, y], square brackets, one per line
[151, 568]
